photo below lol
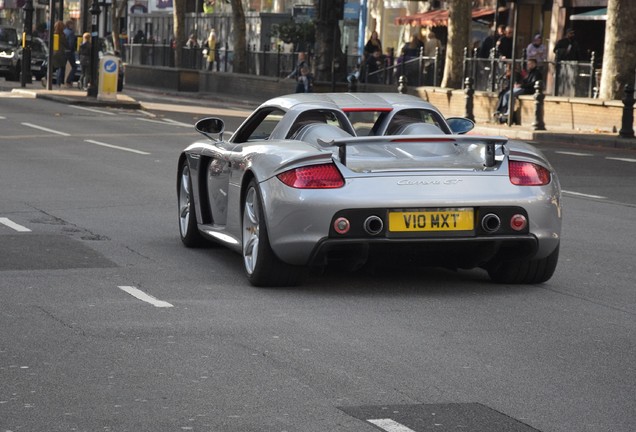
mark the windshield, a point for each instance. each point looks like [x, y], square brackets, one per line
[8, 37]
[38, 49]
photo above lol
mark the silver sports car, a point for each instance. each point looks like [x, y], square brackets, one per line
[342, 178]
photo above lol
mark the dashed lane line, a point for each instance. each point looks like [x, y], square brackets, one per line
[8, 222]
[99, 143]
[583, 195]
[570, 153]
[165, 122]
[92, 110]
[621, 159]
[139, 294]
[42, 128]
[178, 123]
[390, 425]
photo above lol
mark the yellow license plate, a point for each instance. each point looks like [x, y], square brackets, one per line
[459, 219]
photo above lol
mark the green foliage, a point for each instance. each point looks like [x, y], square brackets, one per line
[295, 33]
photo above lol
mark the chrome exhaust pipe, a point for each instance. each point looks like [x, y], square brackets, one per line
[373, 225]
[490, 223]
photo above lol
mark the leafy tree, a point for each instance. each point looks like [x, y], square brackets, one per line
[296, 33]
[619, 57]
[459, 21]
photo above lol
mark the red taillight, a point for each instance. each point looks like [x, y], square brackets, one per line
[528, 174]
[324, 176]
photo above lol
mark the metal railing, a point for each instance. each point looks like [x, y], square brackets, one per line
[419, 70]
[263, 63]
[569, 78]
[572, 79]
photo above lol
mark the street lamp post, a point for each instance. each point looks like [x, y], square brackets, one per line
[25, 76]
[95, 11]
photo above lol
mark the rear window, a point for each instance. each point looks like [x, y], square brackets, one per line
[365, 122]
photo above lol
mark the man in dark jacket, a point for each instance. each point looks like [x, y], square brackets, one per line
[568, 49]
[526, 86]
[69, 32]
[504, 44]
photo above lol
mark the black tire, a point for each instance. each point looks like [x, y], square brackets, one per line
[190, 235]
[262, 267]
[524, 271]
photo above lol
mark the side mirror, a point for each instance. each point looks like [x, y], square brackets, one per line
[210, 125]
[460, 125]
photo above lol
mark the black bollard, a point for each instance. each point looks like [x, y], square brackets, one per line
[538, 123]
[402, 84]
[352, 84]
[25, 73]
[627, 125]
[469, 93]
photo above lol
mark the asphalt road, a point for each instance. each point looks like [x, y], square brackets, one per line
[88, 230]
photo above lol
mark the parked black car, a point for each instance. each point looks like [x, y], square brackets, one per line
[39, 58]
[10, 54]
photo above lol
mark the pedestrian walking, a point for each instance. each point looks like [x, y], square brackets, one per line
[58, 60]
[70, 51]
[85, 61]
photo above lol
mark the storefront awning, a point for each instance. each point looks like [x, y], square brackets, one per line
[437, 17]
[595, 15]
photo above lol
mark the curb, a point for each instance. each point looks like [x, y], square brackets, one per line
[81, 99]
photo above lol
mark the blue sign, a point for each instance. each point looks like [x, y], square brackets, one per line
[110, 66]
[352, 10]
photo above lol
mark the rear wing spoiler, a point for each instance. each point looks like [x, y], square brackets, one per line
[489, 141]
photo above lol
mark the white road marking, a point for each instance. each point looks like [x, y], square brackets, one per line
[45, 129]
[16, 95]
[146, 113]
[92, 110]
[139, 294]
[154, 121]
[573, 153]
[8, 222]
[116, 147]
[2, 118]
[621, 159]
[199, 110]
[177, 123]
[583, 195]
[390, 425]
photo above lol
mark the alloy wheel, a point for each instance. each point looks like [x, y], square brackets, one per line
[251, 230]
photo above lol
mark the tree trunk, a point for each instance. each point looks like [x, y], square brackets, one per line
[179, 8]
[327, 47]
[459, 21]
[619, 57]
[240, 39]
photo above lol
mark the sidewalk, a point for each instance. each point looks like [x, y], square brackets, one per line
[592, 138]
[74, 96]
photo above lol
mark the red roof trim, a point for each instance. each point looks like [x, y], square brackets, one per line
[367, 109]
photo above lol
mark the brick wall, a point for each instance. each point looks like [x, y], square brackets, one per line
[559, 112]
